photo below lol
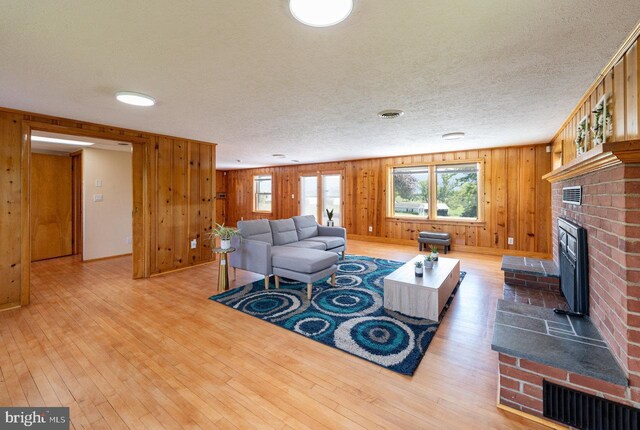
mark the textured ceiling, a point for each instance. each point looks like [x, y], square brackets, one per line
[246, 75]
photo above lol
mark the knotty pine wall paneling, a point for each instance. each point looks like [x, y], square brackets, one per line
[516, 200]
[621, 81]
[173, 198]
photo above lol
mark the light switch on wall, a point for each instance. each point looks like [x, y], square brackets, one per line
[98, 183]
[98, 198]
[194, 243]
[510, 241]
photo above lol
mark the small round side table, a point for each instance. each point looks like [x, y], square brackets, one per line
[223, 268]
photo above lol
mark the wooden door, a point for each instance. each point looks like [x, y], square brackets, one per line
[51, 208]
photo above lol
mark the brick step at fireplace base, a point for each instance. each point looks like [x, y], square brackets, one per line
[536, 344]
[533, 273]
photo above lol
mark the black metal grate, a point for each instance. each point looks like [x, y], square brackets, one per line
[586, 412]
[572, 195]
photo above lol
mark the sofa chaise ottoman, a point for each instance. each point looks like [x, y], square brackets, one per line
[296, 248]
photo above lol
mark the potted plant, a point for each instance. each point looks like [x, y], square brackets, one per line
[428, 262]
[434, 252]
[330, 217]
[225, 234]
[419, 270]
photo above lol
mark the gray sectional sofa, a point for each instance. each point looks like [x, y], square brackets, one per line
[296, 248]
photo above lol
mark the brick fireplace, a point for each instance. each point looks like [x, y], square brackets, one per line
[610, 212]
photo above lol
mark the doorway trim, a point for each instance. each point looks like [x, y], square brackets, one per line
[140, 197]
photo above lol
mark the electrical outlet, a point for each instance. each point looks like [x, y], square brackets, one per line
[370, 229]
[241, 218]
[98, 183]
[509, 241]
[293, 196]
[98, 198]
[194, 243]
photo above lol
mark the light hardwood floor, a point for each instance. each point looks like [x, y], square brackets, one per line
[157, 353]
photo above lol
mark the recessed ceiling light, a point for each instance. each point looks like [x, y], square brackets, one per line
[135, 99]
[390, 113]
[62, 141]
[279, 155]
[320, 13]
[453, 136]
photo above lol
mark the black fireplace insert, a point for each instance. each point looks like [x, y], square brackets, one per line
[574, 271]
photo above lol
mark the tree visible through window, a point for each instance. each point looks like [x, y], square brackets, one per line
[452, 188]
[457, 190]
[411, 191]
[262, 193]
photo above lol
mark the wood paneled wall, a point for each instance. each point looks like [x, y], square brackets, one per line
[620, 79]
[516, 199]
[173, 193]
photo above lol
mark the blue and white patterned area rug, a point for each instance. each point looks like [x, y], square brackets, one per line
[349, 316]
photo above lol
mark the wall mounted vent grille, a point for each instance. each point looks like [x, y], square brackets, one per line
[572, 195]
[587, 412]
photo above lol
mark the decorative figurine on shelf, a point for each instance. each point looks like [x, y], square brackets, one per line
[329, 217]
[419, 270]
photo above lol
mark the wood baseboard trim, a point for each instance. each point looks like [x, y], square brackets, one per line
[533, 418]
[111, 257]
[153, 275]
[454, 248]
[10, 306]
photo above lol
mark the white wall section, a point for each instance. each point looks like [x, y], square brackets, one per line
[107, 223]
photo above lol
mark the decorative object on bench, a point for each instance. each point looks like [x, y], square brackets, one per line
[225, 234]
[329, 217]
[349, 316]
[434, 238]
[296, 248]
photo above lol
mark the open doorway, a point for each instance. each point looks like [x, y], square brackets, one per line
[81, 197]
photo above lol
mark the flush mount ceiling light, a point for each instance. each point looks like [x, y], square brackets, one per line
[390, 114]
[453, 136]
[320, 13]
[279, 156]
[135, 99]
[62, 141]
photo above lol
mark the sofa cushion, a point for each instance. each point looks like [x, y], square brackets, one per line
[329, 241]
[306, 226]
[307, 244]
[302, 260]
[258, 229]
[283, 231]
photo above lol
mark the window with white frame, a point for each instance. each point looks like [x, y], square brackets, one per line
[262, 193]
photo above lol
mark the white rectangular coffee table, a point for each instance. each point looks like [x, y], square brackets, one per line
[425, 296]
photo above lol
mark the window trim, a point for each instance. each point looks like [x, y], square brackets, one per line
[432, 216]
[255, 194]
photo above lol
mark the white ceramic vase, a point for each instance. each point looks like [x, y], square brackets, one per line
[225, 243]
